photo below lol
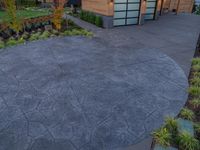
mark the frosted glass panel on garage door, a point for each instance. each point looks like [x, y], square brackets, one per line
[120, 1]
[120, 15]
[132, 21]
[132, 14]
[126, 12]
[133, 6]
[150, 9]
[119, 7]
[119, 22]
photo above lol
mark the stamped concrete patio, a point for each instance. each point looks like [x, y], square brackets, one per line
[77, 93]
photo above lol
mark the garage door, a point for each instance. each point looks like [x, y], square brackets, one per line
[126, 12]
[150, 9]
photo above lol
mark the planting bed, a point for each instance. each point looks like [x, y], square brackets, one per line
[184, 134]
[37, 28]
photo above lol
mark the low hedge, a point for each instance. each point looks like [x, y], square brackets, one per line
[91, 18]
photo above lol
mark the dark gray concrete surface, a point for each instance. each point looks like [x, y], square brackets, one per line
[105, 93]
[74, 93]
[174, 35]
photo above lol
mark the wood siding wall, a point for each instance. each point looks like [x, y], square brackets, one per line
[103, 7]
[179, 5]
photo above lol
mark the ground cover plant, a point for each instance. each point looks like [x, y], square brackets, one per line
[171, 133]
[42, 33]
[18, 31]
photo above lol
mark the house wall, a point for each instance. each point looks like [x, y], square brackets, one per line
[103, 7]
[179, 5]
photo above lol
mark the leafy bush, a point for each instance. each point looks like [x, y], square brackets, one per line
[2, 45]
[195, 81]
[188, 142]
[77, 32]
[12, 41]
[45, 35]
[195, 103]
[197, 10]
[20, 41]
[99, 21]
[194, 91]
[187, 114]
[197, 127]
[28, 27]
[82, 15]
[196, 74]
[86, 33]
[92, 18]
[172, 125]
[162, 137]
[55, 32]
[196, 61]
[25, 35]
[35, 36]
[67, 33]
[196, 67]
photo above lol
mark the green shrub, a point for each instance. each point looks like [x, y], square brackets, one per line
[196, 74]
[55, 32]
[2, 45]
[195, 103]
[187, 114]
[20, 41]
[77, 32]
[67, 33]
[197, 10]
[86, 33]
[196, 61]
[195, 81]
[162, 137]
[82, 15]
[45, 35]
[25, 35]
[172, 125]
[28, 26]
[35, 36]
[194, 91]
[86, 16]
[196, 67]
[99, 21]
[188, 142]
[11, 42]
[92, 18]
[197, 128]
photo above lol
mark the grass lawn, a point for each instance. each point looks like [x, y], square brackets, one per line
[27, 13]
